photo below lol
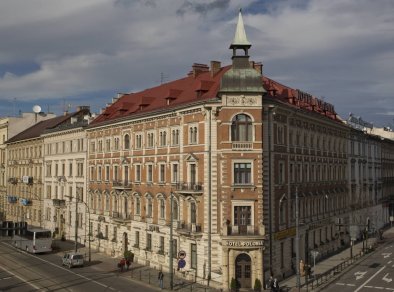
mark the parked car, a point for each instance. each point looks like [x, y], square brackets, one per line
[73, 259]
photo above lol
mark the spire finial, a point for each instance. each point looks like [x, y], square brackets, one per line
[240, 38]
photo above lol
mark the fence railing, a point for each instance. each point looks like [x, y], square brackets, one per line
[319, 279]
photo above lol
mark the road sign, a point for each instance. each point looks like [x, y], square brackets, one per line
[181, 264]
[353, 230]
[181, 254]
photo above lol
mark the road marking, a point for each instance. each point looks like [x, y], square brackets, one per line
[388, 280]
[20, 278]
[373, 276]
[359, 275]
[389, 262]
[386, 254]
[344, 284]
[6, 278]
[60, 267]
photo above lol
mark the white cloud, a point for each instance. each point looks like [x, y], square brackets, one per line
[341, 49]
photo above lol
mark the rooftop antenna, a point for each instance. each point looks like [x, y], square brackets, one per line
[14, 105]
[36, 110]
[163, 77]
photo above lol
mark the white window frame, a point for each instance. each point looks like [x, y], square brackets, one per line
[242, 203]
[233, 162]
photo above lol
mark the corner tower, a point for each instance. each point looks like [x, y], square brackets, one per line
[242, 77]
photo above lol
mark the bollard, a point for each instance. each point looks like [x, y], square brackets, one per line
[149, 276]
[140, 275]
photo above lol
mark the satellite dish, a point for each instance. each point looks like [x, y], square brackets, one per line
[36, 109]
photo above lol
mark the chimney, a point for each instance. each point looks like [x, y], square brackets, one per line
[259, 67]
[83, 107]
[215, 67]
[199, 68]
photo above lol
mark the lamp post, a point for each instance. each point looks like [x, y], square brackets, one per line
[171, 244]
[269, 111]
[297, 242]
[76, 223]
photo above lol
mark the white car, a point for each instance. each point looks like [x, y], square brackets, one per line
[73, 259]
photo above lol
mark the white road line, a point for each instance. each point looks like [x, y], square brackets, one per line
[344, 284]
[373, 276]
[20, 278]
[45, 261]
[390, 262]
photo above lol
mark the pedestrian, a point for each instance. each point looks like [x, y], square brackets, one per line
[122, 264]
[269, 283]
[128, 263]
[160, 277]
[275, 286]
[302, 268]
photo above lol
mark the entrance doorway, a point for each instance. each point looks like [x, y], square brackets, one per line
[125, 242]
[243, 270]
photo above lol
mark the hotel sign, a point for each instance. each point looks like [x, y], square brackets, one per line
[244, 243]
[285, 233]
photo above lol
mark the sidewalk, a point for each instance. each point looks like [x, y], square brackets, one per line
[325, 265]
[142, 274]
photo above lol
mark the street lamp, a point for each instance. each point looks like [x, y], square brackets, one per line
[269, 112]
[297, 242]
[171, 243]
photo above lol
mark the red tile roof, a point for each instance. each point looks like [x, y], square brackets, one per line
[200, 85]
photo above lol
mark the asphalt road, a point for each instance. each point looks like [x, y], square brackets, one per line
[20, 271]
[375, 273]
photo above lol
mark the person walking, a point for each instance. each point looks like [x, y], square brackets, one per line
[160, 277]
[128, 263]
[275, 286]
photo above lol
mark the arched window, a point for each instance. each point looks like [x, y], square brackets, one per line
[107, 203]
[193, 213]
[150, 208]
[162, 208]
[174, 210]
[126, 141]
[137, 206]
[241, 128]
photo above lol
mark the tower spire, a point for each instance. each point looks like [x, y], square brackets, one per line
[240, 40]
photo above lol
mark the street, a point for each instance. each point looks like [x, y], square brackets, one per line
[374, 273]
[20, 271]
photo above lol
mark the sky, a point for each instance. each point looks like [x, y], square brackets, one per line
[65, 53]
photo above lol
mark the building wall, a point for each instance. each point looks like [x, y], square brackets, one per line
[64, 171]
[308, 159]
[25, 162]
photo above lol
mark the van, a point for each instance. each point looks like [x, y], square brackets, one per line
[73, 259]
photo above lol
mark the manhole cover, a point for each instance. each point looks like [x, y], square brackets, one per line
[374, 265]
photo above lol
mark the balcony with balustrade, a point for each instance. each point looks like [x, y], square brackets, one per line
[189, 188]
[122, 185]
[120, 217]
[242, 146]
[189, 229]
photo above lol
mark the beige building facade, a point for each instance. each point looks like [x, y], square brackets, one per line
[65, 209]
